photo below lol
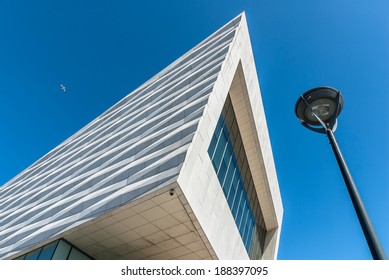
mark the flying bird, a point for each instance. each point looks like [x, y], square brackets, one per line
[63, 87]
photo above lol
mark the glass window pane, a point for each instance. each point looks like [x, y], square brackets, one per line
[247, 230]
[76, 254]
[212, 146]
[33, 255]
[226, 106]
[219, 152]
[20, 258]
[228, 178]
[228, 183]
[228, 152]
[48, 251]
[222, 171]
[240, 211]
[241, 222]
[237, 198]
[219, 126]
[230, 120]
[240, 159]
[251, 192]
[224, 163]
[234, 130]
[224, 133]
[237, 146]
[251, 236]
[245, 222]
[245, 173]
[233, 188]
[215, 137]
[250, 232]
[62, 251]
[228, 164]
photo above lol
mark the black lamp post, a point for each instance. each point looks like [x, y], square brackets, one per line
[318, 109]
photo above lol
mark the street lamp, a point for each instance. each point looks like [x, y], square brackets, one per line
[318, 109]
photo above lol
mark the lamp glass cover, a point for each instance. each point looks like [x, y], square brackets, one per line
[324, 108]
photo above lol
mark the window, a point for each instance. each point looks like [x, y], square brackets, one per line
[56, 250]
[230, 163]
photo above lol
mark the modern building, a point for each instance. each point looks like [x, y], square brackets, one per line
[181, 168]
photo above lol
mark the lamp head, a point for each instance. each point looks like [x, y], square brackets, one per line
[318, 108]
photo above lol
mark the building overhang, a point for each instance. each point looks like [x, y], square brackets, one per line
[160, 226]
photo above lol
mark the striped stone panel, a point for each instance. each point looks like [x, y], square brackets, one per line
[134, 148]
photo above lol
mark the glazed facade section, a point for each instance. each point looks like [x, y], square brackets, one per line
[56, 250]
[231, 166]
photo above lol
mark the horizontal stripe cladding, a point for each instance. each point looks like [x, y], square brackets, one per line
[45, 229]
[98, 128]
[133, 148]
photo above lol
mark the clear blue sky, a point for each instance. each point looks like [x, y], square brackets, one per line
[102, 50]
